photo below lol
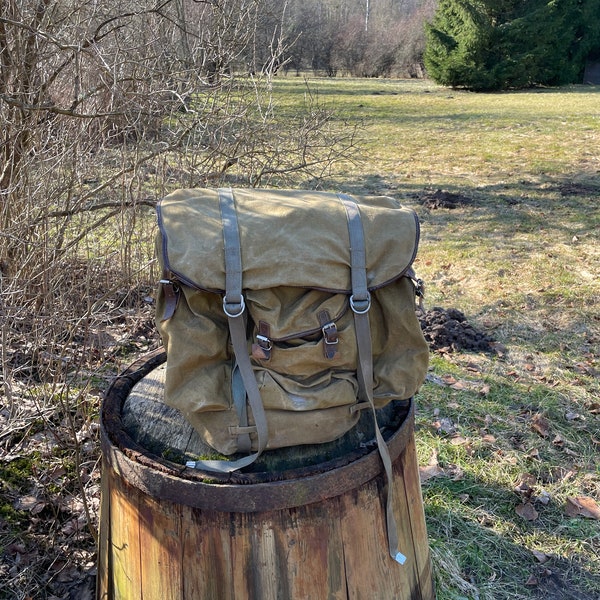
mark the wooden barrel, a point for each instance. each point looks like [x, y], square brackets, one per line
[314, 529]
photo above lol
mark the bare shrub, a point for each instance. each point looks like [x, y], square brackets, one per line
[104, 107]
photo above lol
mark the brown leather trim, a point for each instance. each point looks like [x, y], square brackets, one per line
[171, 292]
[330, 335]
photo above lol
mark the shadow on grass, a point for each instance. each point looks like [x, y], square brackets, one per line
[489, 564]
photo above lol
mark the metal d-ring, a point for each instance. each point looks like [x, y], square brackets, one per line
[361, 311]
[242, 307]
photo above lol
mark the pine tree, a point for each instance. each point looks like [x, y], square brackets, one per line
[459, 42]
[507, 44]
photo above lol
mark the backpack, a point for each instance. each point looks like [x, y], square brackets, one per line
[284, 314]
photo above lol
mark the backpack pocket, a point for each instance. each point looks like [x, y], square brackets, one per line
[196, 338]
[304, 348]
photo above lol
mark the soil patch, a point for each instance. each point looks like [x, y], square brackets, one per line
[444, 199]
[447, 330]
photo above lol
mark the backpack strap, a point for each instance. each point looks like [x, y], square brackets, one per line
[234, 307]
[360, 302]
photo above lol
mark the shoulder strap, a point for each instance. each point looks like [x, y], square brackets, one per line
[360, 302]
[234, 307]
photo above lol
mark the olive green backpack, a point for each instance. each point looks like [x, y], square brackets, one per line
[284, 314]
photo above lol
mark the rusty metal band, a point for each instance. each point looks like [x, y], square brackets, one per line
[165, 480]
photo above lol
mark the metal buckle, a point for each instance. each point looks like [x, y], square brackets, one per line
[241, 306]
[330, 333]
[264, 342]
[357, 309]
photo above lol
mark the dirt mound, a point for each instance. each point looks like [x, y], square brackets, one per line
[447, 330]
[443, 199]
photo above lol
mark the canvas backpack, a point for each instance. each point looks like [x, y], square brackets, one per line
[284, 314]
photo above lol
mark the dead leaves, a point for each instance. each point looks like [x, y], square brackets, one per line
[582, 506]
[527, 511]
[460, 385]
[432, 469]
[540, 425]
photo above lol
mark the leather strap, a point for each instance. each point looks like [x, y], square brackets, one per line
[234, 307]
[360, 302]
[171, 293]
[330, 335]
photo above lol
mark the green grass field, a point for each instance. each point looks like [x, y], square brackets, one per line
[508, 442]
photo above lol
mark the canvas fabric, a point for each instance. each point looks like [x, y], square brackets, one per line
[299, 328]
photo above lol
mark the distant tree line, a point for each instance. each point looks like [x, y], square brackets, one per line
[511, 44]
[363, 38]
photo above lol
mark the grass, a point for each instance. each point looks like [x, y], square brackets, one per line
[521, 258]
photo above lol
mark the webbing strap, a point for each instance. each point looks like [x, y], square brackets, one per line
[233, 301]
[360, 301]
[233, 305]
[238, 393]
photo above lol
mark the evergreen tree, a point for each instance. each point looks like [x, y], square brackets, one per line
[491, 44]
[460, 42]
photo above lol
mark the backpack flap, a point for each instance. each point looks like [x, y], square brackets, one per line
[287, 238]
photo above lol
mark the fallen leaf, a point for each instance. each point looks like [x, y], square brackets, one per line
[558, 440]
[432, 469]
[484, 390]
[540, 425]
[525, 484]
[488, 438]
[458, 440]
[568, 475]
[527, 511]
[460, 385]
[30, 503]
[532, 581]
[429, 472]
[582, 506]
[541, 557]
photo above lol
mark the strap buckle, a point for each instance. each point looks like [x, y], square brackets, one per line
[234, 310]
[330, 334]
[360, 307]
[264, 342]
